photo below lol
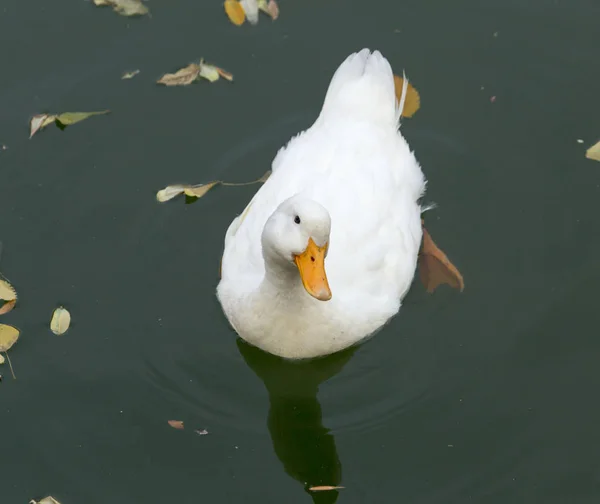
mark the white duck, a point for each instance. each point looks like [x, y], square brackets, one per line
[327, 248]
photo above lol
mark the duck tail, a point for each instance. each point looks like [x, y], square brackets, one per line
[362, 88]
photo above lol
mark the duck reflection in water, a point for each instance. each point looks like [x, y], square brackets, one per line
[303, 445]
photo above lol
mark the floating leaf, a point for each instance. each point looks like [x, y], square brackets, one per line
[2, 359]
[170, 192]
[125, 7]
[176, 424]
[271, 8]
[8, 337]
[182, 77]
[224, 74]
[412, 101]
[198, 191]
[202, 432]
[130, 75]
[209, 72]
[323, 488]
[7, 291]
[251, 9]
[40, 121]
[68, 118]
[435, 268]
[45, 500]
[235, 12]
[593, 152]
[8, 306]
[61, 320]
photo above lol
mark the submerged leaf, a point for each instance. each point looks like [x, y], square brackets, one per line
[68, 118]
[7, 291]
[8, 306]
[182, 77]
[235, 12]
[435, 268]
[130, 75]
[593, 152]
[40, 121]
[176, 424]
[8, 337]
[412, 101]
[200, 190]
[251, 9]
[61, 320]
[323, 488]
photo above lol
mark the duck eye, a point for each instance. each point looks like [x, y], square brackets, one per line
[297, 219]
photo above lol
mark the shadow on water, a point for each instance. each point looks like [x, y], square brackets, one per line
[302, 443]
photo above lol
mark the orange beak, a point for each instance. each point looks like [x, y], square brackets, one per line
[311, 265]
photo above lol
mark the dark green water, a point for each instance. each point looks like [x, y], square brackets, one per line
[489, 396]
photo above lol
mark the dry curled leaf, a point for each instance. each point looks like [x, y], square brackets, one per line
[68, 118]
[323, 488]
[61, 320]
[235, 12]
[8, 337]
[182, 77]
[40, 121]
[593, 152]
[435, 268]
[200, 190]
[412, 102]
[225, 74]
[176, 424]
[269, 7]
[2, 359]
[130, 75]
[170, 192]
[7, 306]
[63, 120]
[45, 500]
[125, 7]
[209, 72]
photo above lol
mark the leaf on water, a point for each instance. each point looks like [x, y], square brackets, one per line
[200, 190]
[102, 2]
[170, 192]
[235, 12]
[40, 121]
[8, 337]
[61, 320]
[182, 77]
[130, 75]
[8, 306]
[323, 488]
[209, 72]
[7, 291]
[224, 74]
[202, 432]
[68, 118]
[45, 500]
[269, 7]
[435, 268]
[251, 9]
[412, 102]
[2, 360]
[125, 7]
[593, 152]
[176, 424]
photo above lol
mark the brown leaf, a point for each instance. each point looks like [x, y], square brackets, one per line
[593, 152]
[176, 424]
[8, 306]
[235, 12]
[270, 7]
[182, 77]
[224, 74]
[435, 268]
[198, 191]
[412, 102]
[323, 488]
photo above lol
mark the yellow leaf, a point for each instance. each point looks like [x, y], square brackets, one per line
[7, 291]
[323, 488]
[8, 306]
[182, 77]
[235, 12]
[39, 122]
[1, 359]
[68, 118]
[412, 102]
[593, 152]
[130, 75]
[198, 191]
[125, 7]
[176, 424]
[102, 2]
[8, 337]
[61, 320]
[209, 72]
[271, 8]
[45, 500]
[170, 192]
